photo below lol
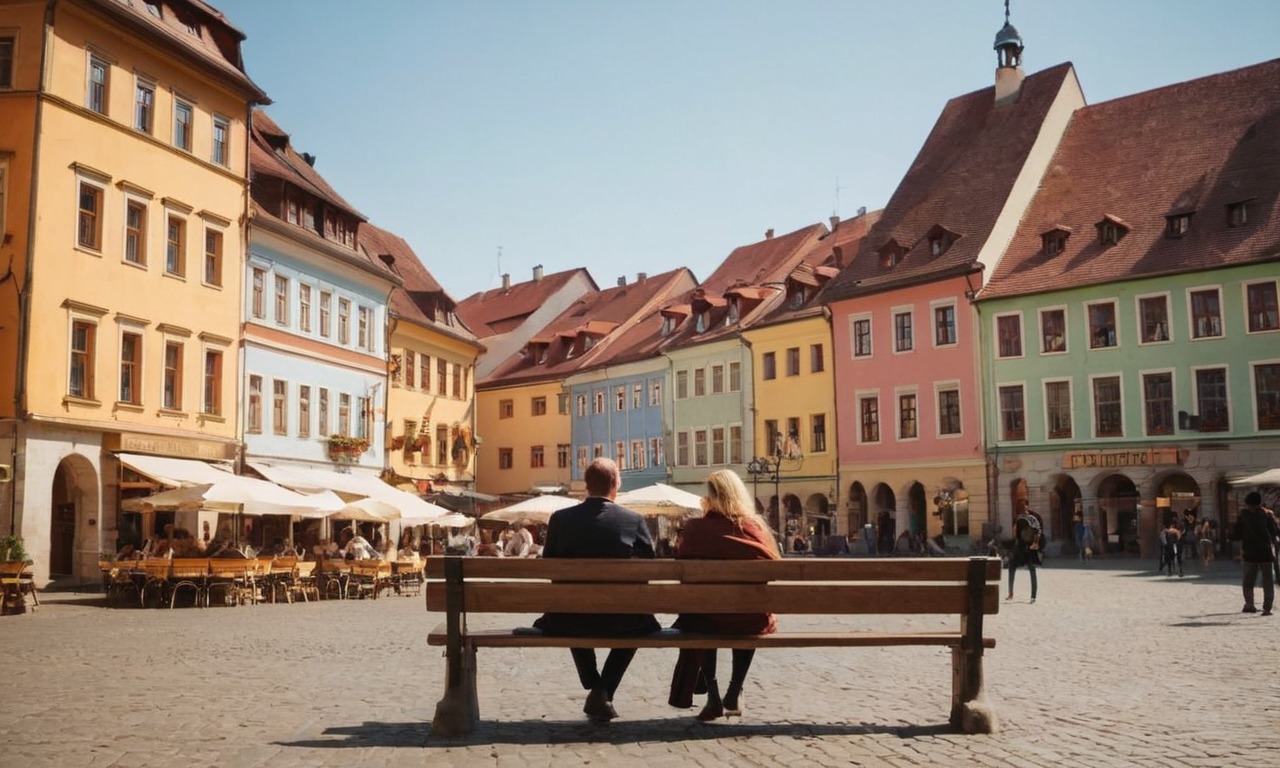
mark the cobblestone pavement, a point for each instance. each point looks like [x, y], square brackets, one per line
[1112, 666]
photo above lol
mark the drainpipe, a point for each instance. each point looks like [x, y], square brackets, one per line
[986, 384]
[670, 396]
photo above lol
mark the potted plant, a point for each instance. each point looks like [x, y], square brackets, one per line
[12, 550]
[345, 446]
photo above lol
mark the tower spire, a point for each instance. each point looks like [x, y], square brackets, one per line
[1008, 48]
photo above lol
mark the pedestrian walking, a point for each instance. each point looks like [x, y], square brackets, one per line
[1170, 540]
[1088, 542]
[1027, 551]
[1255, 529]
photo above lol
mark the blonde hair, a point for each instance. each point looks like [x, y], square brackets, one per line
[728, 495]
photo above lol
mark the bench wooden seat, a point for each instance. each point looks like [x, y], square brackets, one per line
[968, 588]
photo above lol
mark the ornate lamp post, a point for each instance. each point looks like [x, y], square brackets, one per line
[769, 467]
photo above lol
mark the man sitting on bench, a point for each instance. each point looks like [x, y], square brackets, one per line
[598, 528]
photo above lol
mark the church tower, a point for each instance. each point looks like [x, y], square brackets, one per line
[1009, 74]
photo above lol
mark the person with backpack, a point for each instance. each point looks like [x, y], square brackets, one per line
[1256, 531]
[1027, 541]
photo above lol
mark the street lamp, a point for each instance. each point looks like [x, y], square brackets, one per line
[769, 467]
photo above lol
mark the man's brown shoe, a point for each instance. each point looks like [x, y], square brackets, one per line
[598, 707]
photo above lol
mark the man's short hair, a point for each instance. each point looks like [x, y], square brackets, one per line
[1253, 499]
[601, 477]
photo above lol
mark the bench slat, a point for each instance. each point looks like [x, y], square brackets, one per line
[815, 598]
[697, 571]
[508, 639]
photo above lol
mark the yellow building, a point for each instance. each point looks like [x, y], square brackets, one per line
[431, 402]
[527, 445]
[128, 158]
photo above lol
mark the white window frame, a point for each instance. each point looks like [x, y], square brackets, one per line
[910, 311]
[140, 83]
[898, 393]
[1245, 285]
[93, 56]
[869, 394]
[133, 196]
[181, 101]
[183, 338]
[1253, 393]
[99, 182]
[1093, 406]
[1173, 398]
[1066, 324]
[1071, 405]
[938, 388]
[205, 348]
[137, 328]
[1088, 323]
[934, 306]
[999, 412]
[225, 123]
[305, 292]
[1191, 315]
[218, 228]
[90, 316]
[853, 336]
[1022, 337]
[1195, 393]
[182, 214]
[1141, 321]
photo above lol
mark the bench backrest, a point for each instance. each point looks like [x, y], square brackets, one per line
[791, 586]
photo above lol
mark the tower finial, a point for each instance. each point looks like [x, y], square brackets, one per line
[1006, 11]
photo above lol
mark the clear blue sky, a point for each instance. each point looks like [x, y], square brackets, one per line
[644, 135]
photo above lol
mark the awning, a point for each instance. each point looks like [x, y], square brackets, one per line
[351, 486]
[1269, 477]
[174, 472]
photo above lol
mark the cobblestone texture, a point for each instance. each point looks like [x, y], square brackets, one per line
[1112, 666]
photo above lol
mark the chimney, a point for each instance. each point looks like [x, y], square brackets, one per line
[622, 281]
[838, 252]
[768, 233]
[309, 159]
[835, 222]
[862, 210]
[506, 281]
[642, 276]
[537, 273]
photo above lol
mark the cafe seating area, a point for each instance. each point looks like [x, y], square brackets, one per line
[205, 582]
[17, 587]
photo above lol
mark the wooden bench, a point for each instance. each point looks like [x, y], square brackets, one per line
[968, 588]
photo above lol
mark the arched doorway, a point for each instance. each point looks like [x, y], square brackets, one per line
[1176, 493]
[857, 506]
[885, 505]
[917, 511]
[74, 501]
[1118, 515]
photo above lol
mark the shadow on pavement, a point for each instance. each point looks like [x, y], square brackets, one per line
[543, 732]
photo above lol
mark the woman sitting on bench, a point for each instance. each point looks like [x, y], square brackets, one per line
[730, 529]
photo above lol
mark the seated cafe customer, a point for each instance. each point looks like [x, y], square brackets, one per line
[598, 528]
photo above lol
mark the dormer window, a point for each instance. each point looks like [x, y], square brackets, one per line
[798, 296]
[1111, 230]
[1055, 240]
[890, 254]
[668, 325]
[935, 246]
[588, 341]
[1238, 214]
[153, 8]
[700, 324]
[1177, 225]
[735, 310]
[940, 239]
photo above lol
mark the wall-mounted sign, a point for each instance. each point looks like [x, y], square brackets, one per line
[1133, 457]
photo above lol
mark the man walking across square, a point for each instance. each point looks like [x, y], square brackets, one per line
[1255, 529]
[598, 528]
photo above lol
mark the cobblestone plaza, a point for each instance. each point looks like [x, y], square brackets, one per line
[1112, 666]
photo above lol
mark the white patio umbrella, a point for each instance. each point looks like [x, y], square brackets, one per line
[661, 499]
[456, 520]
[537, 509]
[243, 495]
[367, 510]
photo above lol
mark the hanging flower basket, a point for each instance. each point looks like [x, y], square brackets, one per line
[345, 447]
[397, 443]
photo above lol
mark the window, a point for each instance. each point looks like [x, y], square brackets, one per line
[221, 130]
[562, 403]
[1206, 314]
[254, 416]
[424, 380]
[637, 455]
[99, 80]
[213, 257]
[344, 324]
[869, 419]
[326, 300]
[410, 372]
[717, 379]
[772, 438]
[582, 405]
[362, 417]
[211, 404]
[862, 337]
[1102, 325]
[768, 366]
[506, 409]
[135, 232]
[304, 410]
[539, 406]
[282, 300]
[637, 396]
[1053, 331]
[700, 447]
[1057, 403]
[364, 339]
[505, 458]
[1009, 335]
[792, 447]
[1211, 399]
[457, 381]
[1157, 396]
[949, 411]
[537, 457]
[655, 392]
[597, 401]
[6, 60]
[620, 398]
[1108, 418]
[1110, 232]
[1054, 241]
[682, 385]
[562, 456]
[175, 248]
[655, 452]
[172, 390]
[908, 426]
[903, 334]
[322, 411]
[144, 106]
[818, 432]
[717, 445]
[1177, 225]
[442, 445]
[1153, 317]
[582, 457]
[735, 444]
[682, 449]
[182, 116]
[89, 221]
[1238, 214]
[699, 382]
[1266, 394]
[259, 303]
[944, 325]
[735, 377]
[1013, 417]
[344, 413]
[817, 363]
[793, 361]
[131, 368]
[1261, 301]
[304, 307]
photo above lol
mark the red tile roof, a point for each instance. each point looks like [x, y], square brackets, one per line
[822, 263]
[272, 154]
[960, 180]
[1196, 146]
[499, 310]
[610, 316]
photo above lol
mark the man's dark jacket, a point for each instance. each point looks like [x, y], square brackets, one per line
[597, 528]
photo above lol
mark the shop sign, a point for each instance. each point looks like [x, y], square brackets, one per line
[178, 447]
[1137, 457]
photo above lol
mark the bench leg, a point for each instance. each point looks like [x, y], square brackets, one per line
[970, 712]
[458, 712]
